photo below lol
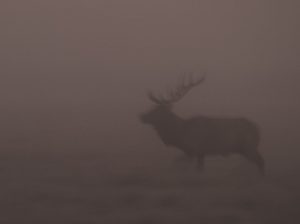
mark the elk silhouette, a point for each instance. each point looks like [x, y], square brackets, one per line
[202, 136]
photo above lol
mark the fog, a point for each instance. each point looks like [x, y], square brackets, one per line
[74, 78]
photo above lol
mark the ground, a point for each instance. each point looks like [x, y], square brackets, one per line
[76, 189]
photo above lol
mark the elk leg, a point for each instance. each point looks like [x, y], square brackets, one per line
[200, 163]
[183, 161]
[257, 159]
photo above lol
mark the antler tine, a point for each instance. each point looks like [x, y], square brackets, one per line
[181, 85]
[191, 80]
[172, 94]
[153, 98]
[175, 94]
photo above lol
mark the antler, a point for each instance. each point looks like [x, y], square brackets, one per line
[184, 86]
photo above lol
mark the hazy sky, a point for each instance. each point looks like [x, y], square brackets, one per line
[81, 68]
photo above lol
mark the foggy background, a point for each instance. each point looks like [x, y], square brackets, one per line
[73, 78]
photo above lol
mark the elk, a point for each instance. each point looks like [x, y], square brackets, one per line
[202, 136]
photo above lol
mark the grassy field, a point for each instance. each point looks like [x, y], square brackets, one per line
[87, 189]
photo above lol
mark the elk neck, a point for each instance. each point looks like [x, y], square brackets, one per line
[168, 127]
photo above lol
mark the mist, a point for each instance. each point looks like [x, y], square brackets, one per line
[74, 78]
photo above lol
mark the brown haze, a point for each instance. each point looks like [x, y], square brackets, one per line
[73, 80]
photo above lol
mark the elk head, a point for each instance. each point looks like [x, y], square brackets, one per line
[162, 110]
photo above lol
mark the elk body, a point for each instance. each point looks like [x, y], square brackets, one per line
[202, 136]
